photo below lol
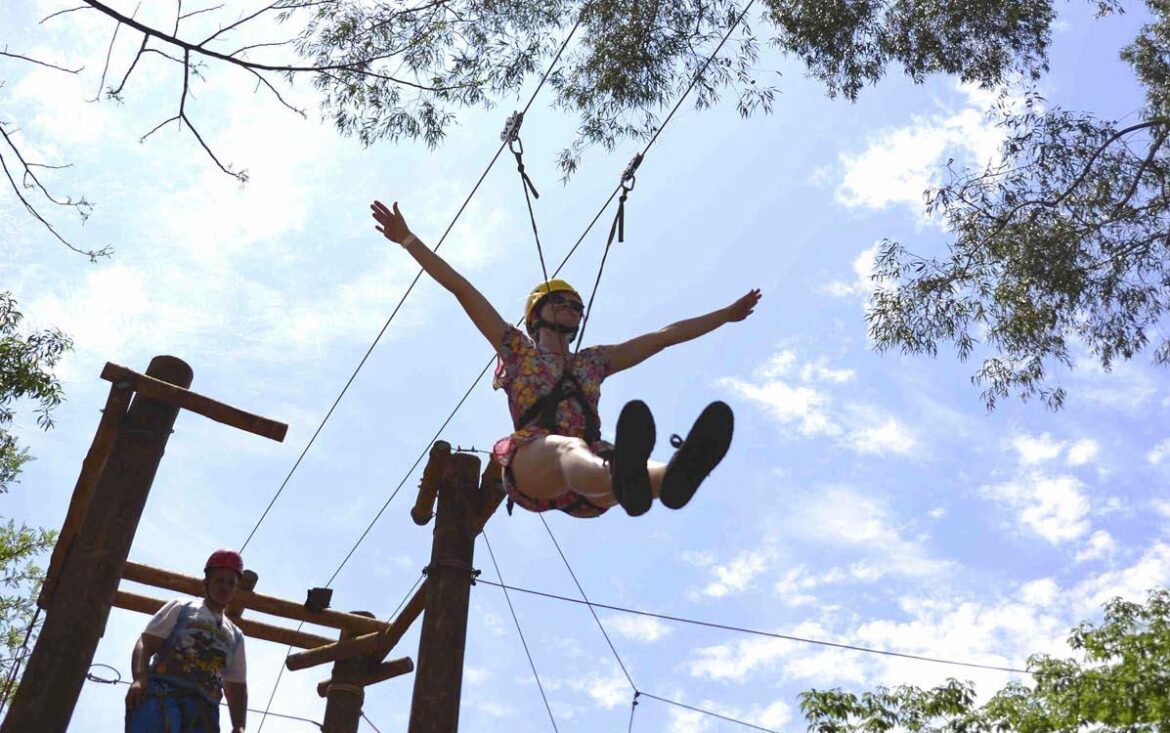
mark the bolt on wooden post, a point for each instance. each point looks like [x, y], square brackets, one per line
[439, 678]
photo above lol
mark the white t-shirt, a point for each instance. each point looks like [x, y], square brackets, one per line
[204, 618]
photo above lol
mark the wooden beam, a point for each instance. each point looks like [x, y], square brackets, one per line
[424, 505]
[179, 397]
[384, 671]
[254, 629]
[379, 643]
[159, 578]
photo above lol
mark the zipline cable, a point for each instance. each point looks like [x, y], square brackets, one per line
[618, 226]
[417, 277]
[377, 338]
[516, 620]
[593, 612]
[637, 692]
[757, 632]
[709, 712]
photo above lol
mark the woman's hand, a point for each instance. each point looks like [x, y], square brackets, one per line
[743, 307]
[392, 224]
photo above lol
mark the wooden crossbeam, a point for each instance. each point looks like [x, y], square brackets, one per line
[254, 629]
[159, 578]
[188, 400]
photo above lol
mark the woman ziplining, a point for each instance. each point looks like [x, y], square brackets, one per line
[555, 458]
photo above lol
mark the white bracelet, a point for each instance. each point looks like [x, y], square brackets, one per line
[410, 239]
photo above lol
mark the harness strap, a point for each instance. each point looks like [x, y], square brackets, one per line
[543, 412]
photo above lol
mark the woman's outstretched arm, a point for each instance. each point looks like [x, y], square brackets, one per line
[392, 225]
[637, 350]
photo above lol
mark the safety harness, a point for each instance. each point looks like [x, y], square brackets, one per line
[543, 413]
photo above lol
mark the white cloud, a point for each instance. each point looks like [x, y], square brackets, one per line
[1101, 544]
[1036, 449]
[737, 575]
[791, 392]
[475, 675]
[640, 628]
[847, 519]
[1082, 452]
[899, 164]
[1159, 452]
[802, 406]
[937, 513]
[1132, 583]
[1053, 507]
[862, 283]
[890, 437]
[608, 691]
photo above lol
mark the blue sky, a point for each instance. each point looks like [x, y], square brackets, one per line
[868, 499]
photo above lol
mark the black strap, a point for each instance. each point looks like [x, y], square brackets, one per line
[543, 412]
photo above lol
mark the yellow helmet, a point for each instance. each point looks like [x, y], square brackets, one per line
[538, 293]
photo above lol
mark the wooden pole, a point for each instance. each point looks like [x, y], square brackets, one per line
[439, 679]
[76, 617]
[345, 693]
[91, 468]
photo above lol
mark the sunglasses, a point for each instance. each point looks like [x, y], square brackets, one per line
[562, 299]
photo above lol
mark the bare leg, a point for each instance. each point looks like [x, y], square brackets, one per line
[548, 467]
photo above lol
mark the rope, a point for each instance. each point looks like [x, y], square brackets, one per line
[516, 620]
[511, 135]
[95, 678]
[370, 723]
[633, 707]
[757, 632]
[370, 350]
[595, 618]
[619, 223]
[386, 325]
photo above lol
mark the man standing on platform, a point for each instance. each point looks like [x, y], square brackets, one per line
[189, 656]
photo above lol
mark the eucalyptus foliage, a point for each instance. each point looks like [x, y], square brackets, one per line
[26, 373]
[1060, 249]
[1119, 683]
[26, 364]
[631, 59]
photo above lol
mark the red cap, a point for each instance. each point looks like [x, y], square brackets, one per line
[225, 558]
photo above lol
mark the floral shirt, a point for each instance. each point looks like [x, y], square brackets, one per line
[527, 371]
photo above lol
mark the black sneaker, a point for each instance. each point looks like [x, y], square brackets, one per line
[631, 450]
[698, 455]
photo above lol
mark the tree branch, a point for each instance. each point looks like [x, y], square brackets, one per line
[356, 67]
[38, 62]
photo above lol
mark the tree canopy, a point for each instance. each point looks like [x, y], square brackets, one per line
[1056, 249]
[1118, 684]
[1061, 246]
[26, 364]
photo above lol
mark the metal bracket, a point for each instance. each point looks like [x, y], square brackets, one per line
[318, 599]
[631, 169]
[511, 131]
